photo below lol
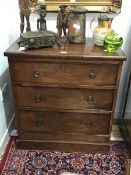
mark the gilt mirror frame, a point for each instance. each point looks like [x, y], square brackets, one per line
[109, 6]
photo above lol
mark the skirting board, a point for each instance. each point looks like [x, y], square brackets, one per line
[6, 137]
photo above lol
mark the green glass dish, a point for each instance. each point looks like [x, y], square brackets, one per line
[112, 42]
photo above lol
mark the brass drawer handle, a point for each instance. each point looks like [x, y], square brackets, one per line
[38, 98]
[36, 74]
[39, 122]
[92, 75]
[90, 99]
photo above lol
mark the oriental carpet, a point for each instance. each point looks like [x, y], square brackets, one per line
[37, 162]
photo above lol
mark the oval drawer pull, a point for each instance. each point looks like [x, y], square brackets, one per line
[92, 75]
[38, 98]
[90, 99]
[39, 122]
[36, 74]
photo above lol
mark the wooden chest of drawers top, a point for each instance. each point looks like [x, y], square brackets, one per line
[67, 53]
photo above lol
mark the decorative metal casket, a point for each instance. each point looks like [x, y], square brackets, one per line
[37, 39]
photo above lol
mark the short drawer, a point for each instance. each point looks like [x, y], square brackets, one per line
[64, 98]
[64, 122]
[85, 74]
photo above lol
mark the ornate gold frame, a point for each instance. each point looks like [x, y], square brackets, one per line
[91, 5]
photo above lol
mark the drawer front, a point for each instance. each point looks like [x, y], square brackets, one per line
[87, 74]
[64, 98]
[63, 122]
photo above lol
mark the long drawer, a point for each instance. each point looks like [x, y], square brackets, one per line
[64, 98]
[87, 74]
[64, 122]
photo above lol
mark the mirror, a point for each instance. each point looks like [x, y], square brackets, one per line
[113, 6]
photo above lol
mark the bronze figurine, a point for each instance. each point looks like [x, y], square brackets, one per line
[62, 20]
[25, 11]
[41, 22]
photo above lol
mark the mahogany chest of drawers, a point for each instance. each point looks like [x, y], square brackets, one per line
[65, 97]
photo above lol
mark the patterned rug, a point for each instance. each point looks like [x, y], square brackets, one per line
[36, 162]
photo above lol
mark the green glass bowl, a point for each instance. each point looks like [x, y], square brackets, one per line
[112, 42]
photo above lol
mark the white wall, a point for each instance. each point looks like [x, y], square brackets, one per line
[6, 106]
[9, 32]
[122, 25]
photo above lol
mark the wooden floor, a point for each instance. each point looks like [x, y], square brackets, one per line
[116, 135]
